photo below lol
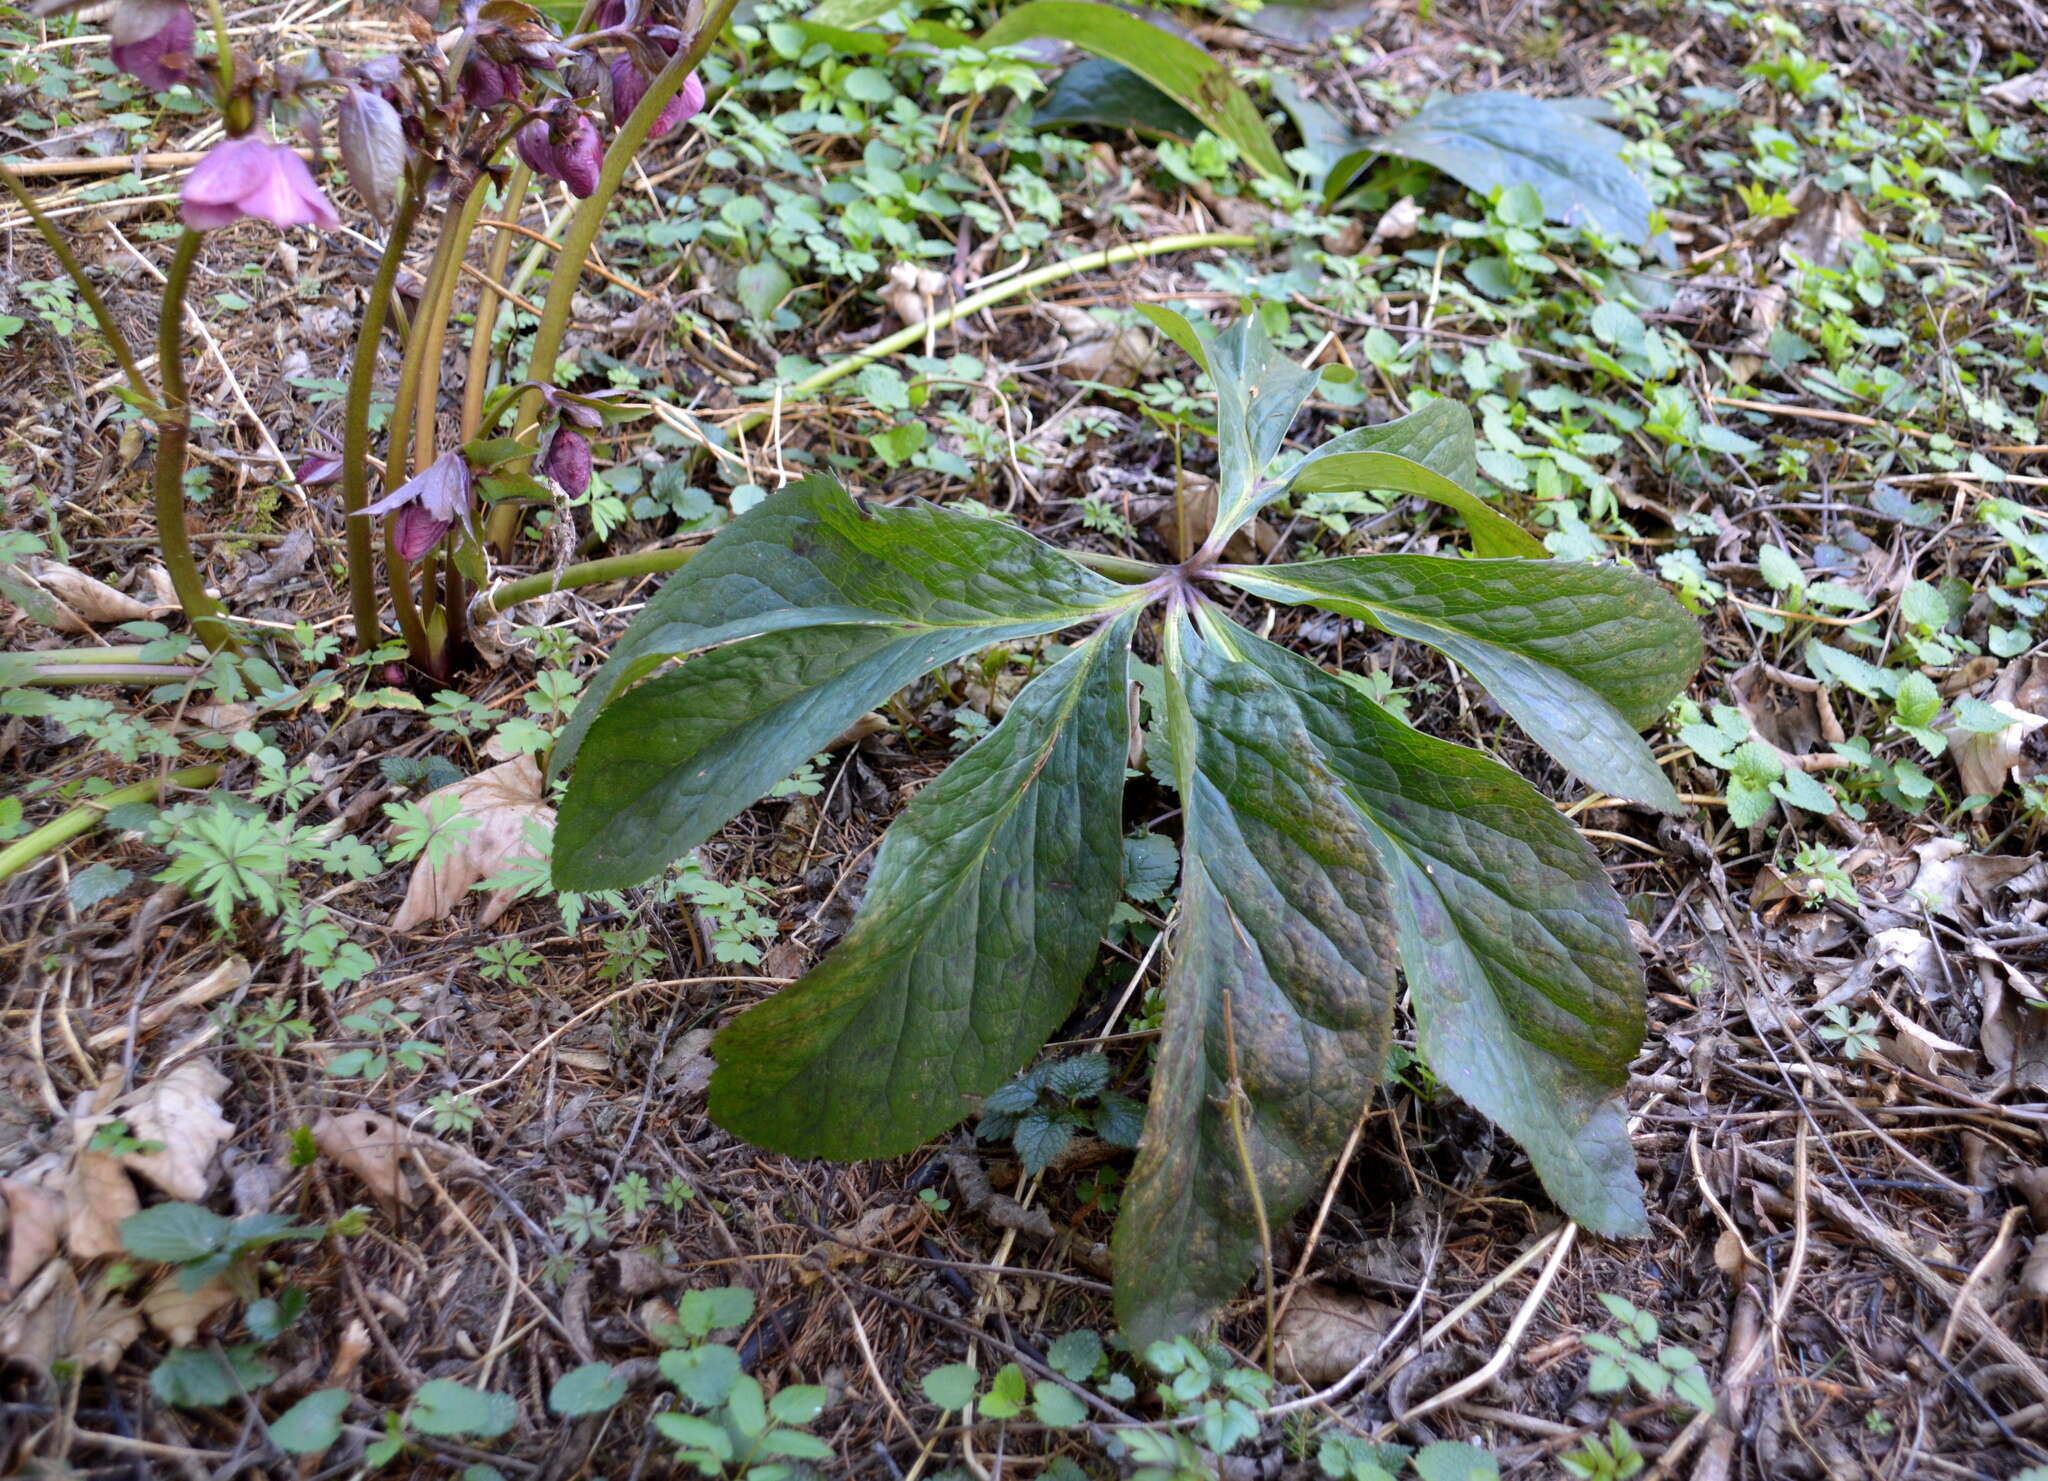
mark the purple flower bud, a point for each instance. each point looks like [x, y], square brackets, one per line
[486, 84]
[566, 148]
[610, 15]
[250, 176]
[629, 86]
[153, 43]
[427, 506]
[372, 140]
[317, 470]
[568, 461]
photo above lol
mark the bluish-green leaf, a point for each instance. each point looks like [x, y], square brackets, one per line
[312, 1424]
[1259, 391]
[1180, 69]
[809, 556]
[1491, 139]
[590, 1389]
[1285, 916]
[202, 1378]
[444, 1407]
[982, 917]
[1580, 655]
[1437, 434]
[1527, 995]
[174, 1233]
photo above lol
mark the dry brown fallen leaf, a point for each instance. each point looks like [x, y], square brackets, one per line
[1326, 1333]
[180, 1314]
[1985, 760]
[98, 1194]
[55, 1321]
[87, 602]
[499, 802]
[373, 1147]
[181, 1110]
[35, 1228]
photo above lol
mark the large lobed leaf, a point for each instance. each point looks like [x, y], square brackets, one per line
[1285, 915]
[982, 917]
[1582, 656]
[824, 608]
[1526, 991]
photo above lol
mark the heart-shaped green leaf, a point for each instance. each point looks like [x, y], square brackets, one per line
[1581, 655]
[981, 919]
[1280, 1001]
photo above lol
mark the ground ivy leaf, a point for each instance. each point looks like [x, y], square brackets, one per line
[982, 917]
[1581, 655]
[1527, 994]
[810, 556]
[1284, 907]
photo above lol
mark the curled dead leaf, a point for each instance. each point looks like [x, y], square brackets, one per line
[493, 807]
[35, 1228]
[85, 601]
[1326, 1333]
[1985, 759]
[179, 1314]
[179, 1110]
[97, 1197]
[56, 1321]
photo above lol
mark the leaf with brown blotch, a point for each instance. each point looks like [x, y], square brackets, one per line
[495, 805]
[373, 1147]
[181, 1111]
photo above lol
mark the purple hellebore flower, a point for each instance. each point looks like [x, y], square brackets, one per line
[427, 506]
[486, 84]
[568, 461]
[629, 86]
[250, 176]
[569, 150]
[153, 44]
[316, 470]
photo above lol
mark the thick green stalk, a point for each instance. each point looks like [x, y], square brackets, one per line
[475, 383]
[587, 573]
[433, 322]
[26, 850]
[201, 610]
[87, 294]
[583, 227]
[355, 423]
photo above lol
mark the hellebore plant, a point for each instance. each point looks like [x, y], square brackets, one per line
[1330, 852]
[422, 137]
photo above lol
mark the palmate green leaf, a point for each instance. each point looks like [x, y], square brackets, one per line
[1437, 434]
[1492, 534]
[1108, 95]
[849, 606]
[1582, 656]
[810, 556]
[1527, 995]
[1183, 71]
[1285, 913]
[982, 917]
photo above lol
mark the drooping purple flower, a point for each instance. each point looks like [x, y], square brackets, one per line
[427, 506]
[568, 461]
[629, 86]
[372, 140]
[153, 43]
[250, 176]
[486, 84]
[565, 147]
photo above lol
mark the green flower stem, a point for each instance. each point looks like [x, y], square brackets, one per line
[355, 423]
[119, 664]
[87, 294]
[173, 427]
[1052, 272]
[474, 383]
[433, 321]
[583, 227]
[26, 850]
[587, 573]
[224, 49]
